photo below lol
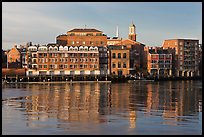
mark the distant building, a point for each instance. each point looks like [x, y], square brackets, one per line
[186, 56]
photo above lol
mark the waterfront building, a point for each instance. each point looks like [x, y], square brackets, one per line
[23, 51]
[200, 59]
[136, 50]
[119, 60]
[159, 61]
[186, 56]
[104, 60]
[53, 59]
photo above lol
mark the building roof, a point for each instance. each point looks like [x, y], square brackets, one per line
[182, 39]
[84, 30]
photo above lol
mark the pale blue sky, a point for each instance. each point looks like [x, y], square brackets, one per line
[41, 22]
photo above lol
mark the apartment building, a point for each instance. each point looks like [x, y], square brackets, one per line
[159, 61]
[186, 56]
[53, 59]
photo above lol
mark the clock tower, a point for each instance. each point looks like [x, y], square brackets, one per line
[132, 32]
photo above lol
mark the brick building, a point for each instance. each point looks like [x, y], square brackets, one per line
[186, 56]
[53, 59]
[82, 37]
[159, 61]
[119, 60]
[14, 58]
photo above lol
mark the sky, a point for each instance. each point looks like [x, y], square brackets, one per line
[42, 22]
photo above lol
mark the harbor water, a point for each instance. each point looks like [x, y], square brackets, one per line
[135, 108]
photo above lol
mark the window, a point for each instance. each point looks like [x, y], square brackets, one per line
[66, 66]
[72, 42]
[114, 66]
[30, 72]
[119, 55]
[71, 66]
[51, 66]
[124, 55]
[61, 66]
[81, 66]
[113, 55]
[45, 66]
[119, 65]
[124, 65]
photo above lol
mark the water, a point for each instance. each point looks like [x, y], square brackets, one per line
[147, 108]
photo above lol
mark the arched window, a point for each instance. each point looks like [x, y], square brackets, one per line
[65, 48]
[55, 48]
[50, 48]
[71, 48]
[61, 48]
[91, 49]
[81, 48]
[86, 48]
[75, 48]
[95, 48]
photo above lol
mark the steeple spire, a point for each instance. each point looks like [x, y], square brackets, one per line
[117, 32]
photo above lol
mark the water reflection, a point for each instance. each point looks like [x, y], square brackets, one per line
[174, 102]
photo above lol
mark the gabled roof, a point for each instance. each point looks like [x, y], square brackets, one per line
[15, 49]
